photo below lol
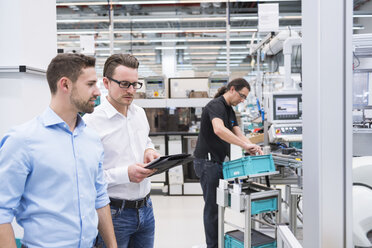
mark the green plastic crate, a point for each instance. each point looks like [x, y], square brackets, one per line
[246, 166]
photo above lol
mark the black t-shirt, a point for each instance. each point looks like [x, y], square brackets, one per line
[208, 141]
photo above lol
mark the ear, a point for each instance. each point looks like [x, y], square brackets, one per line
[232, 88]
[64, 84]
[106, 82]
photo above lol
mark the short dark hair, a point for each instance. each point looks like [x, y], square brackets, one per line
[115, 60]
[238, 83]
[67, 65]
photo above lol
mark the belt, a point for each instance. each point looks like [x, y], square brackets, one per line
[128, 204]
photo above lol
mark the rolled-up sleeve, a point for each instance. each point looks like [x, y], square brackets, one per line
[14, 169]
[101, 187]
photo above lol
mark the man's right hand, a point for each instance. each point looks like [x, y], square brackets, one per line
[252, 149]
[137, 172]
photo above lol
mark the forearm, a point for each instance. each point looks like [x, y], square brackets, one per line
[7, 236]
[228, 136]
[244, 138]
[105, 226]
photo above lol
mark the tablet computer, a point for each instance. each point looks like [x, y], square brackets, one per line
[164, 163]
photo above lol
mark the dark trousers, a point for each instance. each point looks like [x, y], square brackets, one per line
[209, 173]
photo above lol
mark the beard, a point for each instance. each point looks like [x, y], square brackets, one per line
[82, 105]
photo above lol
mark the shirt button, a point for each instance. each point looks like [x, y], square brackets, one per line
[83, 217]
[82, 196]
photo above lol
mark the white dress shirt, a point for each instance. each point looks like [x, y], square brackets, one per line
[125, 139]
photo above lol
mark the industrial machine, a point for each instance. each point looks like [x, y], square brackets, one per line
[155, 87]
[285, 115]
[216, 82]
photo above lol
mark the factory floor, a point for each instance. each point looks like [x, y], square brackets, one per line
[179, 221]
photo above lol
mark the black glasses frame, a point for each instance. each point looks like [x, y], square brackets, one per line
[127, 84]
[242, 95]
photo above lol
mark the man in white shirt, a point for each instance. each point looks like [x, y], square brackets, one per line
[124, 132]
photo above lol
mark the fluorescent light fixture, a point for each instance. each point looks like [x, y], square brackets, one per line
[205, 47]
[106, 49]
[231, 61]
[171, 48]
[167, 40]
[98, 20]
[290, 17]
[202, 53]
[144, 54]
[163, 2]
[226, 65]
[103, 55]
[136, 19]
[200, 58]
[79, 32]
[232, 57]
[236, 52]
[358, 27]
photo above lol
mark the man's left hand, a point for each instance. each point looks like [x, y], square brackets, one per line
[150, 154]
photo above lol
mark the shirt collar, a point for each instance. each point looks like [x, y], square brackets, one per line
[111, 110]
[50, 118]
[224, 101]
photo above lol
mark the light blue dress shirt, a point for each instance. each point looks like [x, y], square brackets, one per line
[52, 181]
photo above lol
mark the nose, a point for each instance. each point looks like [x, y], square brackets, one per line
[131, 89]
[97, 92]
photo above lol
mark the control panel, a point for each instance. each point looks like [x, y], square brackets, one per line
[285, 132]
[155, 87]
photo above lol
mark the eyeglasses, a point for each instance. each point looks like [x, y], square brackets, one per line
[242, 95]
[126, 84]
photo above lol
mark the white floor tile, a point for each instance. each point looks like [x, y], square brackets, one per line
[178, 221]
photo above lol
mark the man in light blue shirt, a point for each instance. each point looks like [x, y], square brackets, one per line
[51, 176]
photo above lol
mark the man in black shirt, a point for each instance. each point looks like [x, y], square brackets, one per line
[219, 129]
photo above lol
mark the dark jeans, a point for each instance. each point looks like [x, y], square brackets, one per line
[209, 173]
[134, 228]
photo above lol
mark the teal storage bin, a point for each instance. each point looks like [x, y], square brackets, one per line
[246, 166]
[265, 205]
[18, 243]
[235, 239]
[260, 205]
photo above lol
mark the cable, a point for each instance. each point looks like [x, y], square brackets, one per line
[362, 184]
[356, 66]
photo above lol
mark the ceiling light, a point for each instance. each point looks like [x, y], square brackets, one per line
[226, 65]
[171, 48]
[163, 2]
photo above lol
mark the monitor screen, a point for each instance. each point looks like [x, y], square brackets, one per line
[217, 82]
[154, 84]
[158, 82]
[287, 107]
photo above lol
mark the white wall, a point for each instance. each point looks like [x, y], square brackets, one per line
[28, 37]
[28, 32]
[22, 97]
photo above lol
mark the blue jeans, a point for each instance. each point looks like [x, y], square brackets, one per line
[133, 227]
[209, 173]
